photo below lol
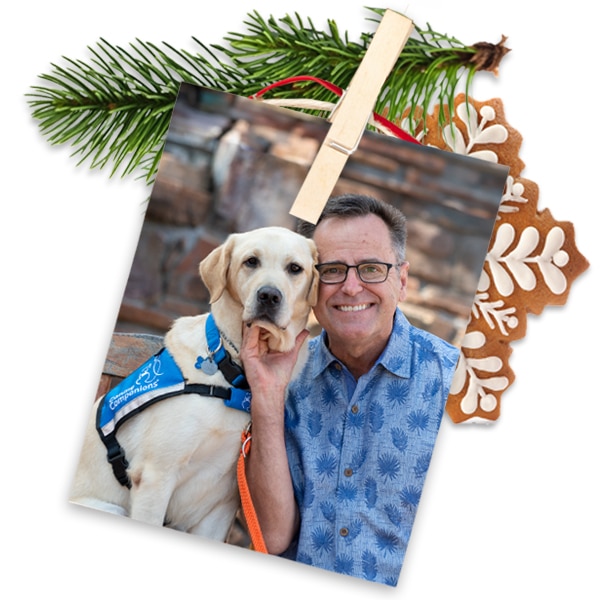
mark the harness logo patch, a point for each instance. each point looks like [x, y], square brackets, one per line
[247, 401]
[148, 379]
[150, 372]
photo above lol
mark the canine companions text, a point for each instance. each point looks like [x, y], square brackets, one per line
[178, 456]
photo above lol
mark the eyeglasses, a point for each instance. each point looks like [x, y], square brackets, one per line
[368, 272]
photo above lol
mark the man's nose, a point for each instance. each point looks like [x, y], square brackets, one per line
[353, 283]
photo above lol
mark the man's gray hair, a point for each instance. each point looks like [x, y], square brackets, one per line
[360, 205]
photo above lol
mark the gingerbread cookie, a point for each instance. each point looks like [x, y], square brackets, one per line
[531, 263]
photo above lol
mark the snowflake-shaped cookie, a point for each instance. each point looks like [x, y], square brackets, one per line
[531, 261]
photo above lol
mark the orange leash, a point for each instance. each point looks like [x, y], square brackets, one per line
[258, 543]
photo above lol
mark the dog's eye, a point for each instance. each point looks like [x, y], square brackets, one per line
[252, 262]
[294, 268]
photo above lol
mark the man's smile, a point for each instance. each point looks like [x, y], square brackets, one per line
[352, 307]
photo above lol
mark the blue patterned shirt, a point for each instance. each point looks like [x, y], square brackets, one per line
[359, 451]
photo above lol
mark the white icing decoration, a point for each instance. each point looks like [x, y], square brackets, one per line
[486, 155]
[473, 339]
[560, 259]
[552, 258]
[478, 387]
[494, 313]
[488, 402]
[478, 132]
[512, 322]
[504, 237]
[488, 113]
[484, 281]
[513, 192]
[516, 262]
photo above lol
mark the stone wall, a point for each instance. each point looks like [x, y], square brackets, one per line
[233, 164]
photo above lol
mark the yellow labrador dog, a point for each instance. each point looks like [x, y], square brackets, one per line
[176, 459]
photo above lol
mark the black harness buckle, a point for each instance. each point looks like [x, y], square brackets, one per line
[116, 457]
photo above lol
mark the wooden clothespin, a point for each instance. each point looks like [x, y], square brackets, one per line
[350, 117]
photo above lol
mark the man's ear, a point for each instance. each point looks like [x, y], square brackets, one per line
[403, 280]
[215, 268]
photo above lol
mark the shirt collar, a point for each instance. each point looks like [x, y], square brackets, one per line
[396, 356]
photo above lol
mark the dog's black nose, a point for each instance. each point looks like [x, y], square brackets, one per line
[268, 296]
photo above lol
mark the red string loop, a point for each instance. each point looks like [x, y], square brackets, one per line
[397, 131]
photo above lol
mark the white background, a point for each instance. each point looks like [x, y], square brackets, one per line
[509, 510]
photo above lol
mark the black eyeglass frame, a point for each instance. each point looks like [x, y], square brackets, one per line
[357, 267]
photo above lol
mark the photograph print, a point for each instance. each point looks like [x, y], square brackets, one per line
[331, 345]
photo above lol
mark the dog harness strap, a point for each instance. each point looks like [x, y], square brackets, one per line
[232, 372]
[232, 397]
[217, 354]
[116, 457]
[239, 399]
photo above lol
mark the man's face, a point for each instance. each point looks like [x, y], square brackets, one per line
[354, 312]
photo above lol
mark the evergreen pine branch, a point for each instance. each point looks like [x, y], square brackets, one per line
[115, 109]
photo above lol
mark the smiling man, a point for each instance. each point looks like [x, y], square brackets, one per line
[359, 295]
[337, 468]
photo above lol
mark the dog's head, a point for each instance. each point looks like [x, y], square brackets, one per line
[266, 276]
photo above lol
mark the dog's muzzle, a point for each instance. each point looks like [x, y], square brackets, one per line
[267, 304]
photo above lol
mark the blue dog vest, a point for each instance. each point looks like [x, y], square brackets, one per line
[157, 379]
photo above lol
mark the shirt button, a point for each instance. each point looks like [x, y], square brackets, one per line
[338, 366]
[348, 472]
[354, 408]
[344, 531]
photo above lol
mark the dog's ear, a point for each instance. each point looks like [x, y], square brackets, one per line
[313, 290]
[215, 267]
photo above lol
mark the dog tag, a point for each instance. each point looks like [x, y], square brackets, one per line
[207, 365]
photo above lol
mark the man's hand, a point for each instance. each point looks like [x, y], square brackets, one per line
[267, 371]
